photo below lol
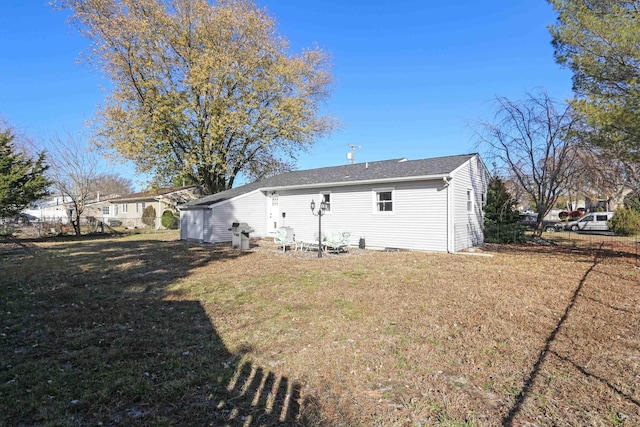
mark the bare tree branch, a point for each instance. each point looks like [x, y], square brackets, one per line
[73, 170]
[533, 141]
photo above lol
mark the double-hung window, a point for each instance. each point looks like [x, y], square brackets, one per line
[383, 200]
[326, 199]
[469, 200]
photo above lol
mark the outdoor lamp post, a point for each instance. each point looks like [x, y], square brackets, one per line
[319, 214]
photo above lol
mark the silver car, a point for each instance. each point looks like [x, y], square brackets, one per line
[594, 221]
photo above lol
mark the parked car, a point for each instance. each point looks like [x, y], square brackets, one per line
[594, 221]
[531, 220]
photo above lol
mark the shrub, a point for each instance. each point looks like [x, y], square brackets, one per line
[168, 219]
[504, 233]
[625, 222]
[149, 216]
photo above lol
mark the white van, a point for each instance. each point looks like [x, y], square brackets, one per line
[594, 221]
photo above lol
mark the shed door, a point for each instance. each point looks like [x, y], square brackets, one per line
[195, 230]
[273, 222]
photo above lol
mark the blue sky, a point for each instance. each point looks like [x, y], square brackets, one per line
[411, 77]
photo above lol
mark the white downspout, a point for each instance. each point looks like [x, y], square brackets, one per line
[450, 234]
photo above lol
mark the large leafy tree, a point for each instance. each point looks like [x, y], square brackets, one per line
[22, 179]
[206, 91]
[599, 40]
[533, 141]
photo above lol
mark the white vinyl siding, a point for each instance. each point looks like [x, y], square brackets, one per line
[468, 185]
[418, 221]
[250, 208]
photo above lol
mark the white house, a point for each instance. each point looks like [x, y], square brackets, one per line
[431, 204]
[50, 209]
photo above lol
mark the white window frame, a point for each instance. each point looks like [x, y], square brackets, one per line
[326, 193]
[375, 193]
[469, 200]
[106, 210]
[137, 207]
[125, 207]
[115, 210]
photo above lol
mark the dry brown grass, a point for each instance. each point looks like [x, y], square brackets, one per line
[541, 335]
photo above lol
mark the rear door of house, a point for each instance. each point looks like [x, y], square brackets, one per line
[274, 213]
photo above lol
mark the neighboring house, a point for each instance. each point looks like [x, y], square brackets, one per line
[127, 209]
[430, 204]
[50, 209]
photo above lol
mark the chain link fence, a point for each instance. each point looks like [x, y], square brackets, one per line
[606, 242]
[61, 226]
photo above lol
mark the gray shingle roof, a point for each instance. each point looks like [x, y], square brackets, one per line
[341, 175]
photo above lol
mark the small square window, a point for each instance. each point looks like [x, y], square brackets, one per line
[105, 210]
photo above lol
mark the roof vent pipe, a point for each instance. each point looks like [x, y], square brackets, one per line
[366, 165]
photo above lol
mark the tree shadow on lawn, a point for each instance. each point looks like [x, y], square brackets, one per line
[508, 419]
[624, 252]
[90, 339]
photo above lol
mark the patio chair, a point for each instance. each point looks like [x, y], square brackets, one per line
[337, 241]
[284, 236]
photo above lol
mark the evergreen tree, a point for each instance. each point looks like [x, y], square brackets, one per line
[600, 42]
[149, 216]
[22, 179]
[500, 217]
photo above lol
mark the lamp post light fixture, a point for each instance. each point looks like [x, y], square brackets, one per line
[319, 213]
